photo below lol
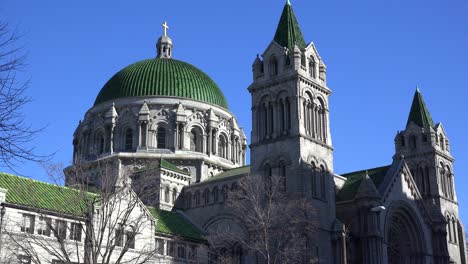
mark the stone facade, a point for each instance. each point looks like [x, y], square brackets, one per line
[405, 212]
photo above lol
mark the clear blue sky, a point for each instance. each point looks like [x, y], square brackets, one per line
[376, 53]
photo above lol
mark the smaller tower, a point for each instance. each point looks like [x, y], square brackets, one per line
[426, 149]
[164, 46]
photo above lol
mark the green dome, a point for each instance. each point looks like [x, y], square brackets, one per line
[162, 77]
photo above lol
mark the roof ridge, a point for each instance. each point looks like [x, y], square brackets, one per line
[362, 171]
[44, 182]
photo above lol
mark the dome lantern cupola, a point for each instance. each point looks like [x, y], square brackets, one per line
[164, 46]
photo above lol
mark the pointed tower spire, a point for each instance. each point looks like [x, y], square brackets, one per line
[419, 113]
[288, 32]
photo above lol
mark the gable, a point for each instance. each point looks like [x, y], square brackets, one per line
[354, 179]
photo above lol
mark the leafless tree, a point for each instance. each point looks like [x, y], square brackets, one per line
[278, 225]
[111, 223]
[15, 132]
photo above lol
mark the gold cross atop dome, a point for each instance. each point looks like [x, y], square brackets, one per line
[166, 27]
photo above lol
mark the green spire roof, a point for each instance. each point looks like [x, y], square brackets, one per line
[419, 113]
[288, 32]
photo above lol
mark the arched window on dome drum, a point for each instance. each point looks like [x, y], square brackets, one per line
[100, 143]
[128, 139]
[166, 194]
[196, 142]
[161, 138]
[312, 67]
[222, 146]
[174, 195]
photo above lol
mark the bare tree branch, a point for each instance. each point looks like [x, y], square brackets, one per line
[15, 133]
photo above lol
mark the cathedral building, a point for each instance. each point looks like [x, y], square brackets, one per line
[166, 117]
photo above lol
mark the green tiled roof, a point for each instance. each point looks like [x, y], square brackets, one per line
[230, 173]
[169, 166]
[419, 113]
[288, 31]
[162, 77]
[42, 195]
[172, 223]
[354, 179]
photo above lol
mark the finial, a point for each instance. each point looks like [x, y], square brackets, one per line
[288, 2]
[367, 173]
[166, 27]
[417, 89]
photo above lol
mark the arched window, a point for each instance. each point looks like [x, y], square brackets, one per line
[449, 228]
[450, 192]
[303, 60]
[323, 183]
[161, 138]
[402, 140]
[273, 66]
[197, 198]
[224, 191]
[312, 67]
[454, 228]
[282, 174]
[313, 180]
[412, 141]
[128, 139]
[206, 196]
[287, 60]
[267, 170]
[100, 142]
[222, 146]
[271, 119]
[196, 142]
[442, 142]
[174, 195]
[288, 114]
[166, 195]
[188, 200]
[309, 114]
[322, 125]
[215, 194]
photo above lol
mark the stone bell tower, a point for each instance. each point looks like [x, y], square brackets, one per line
[426, 149]
[290, 121]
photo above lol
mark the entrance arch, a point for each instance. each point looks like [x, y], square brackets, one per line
[404, 236]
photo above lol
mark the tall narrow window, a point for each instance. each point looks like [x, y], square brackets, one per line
[130, 238]
[273, 66]
[323, 183]
[174, 195]
[196, 143]
[271, 119]
[412, 141]
[313, 181]
[119, 236]
[288, 114]
[215, 194]
[312, 67]
[128, 139]
[166, 194]
[197, 198]
[222, 146]
[188, 200]
[442, 142]
[100, 143]
[161, 138]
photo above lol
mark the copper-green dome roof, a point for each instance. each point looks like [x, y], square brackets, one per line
[162, 77]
